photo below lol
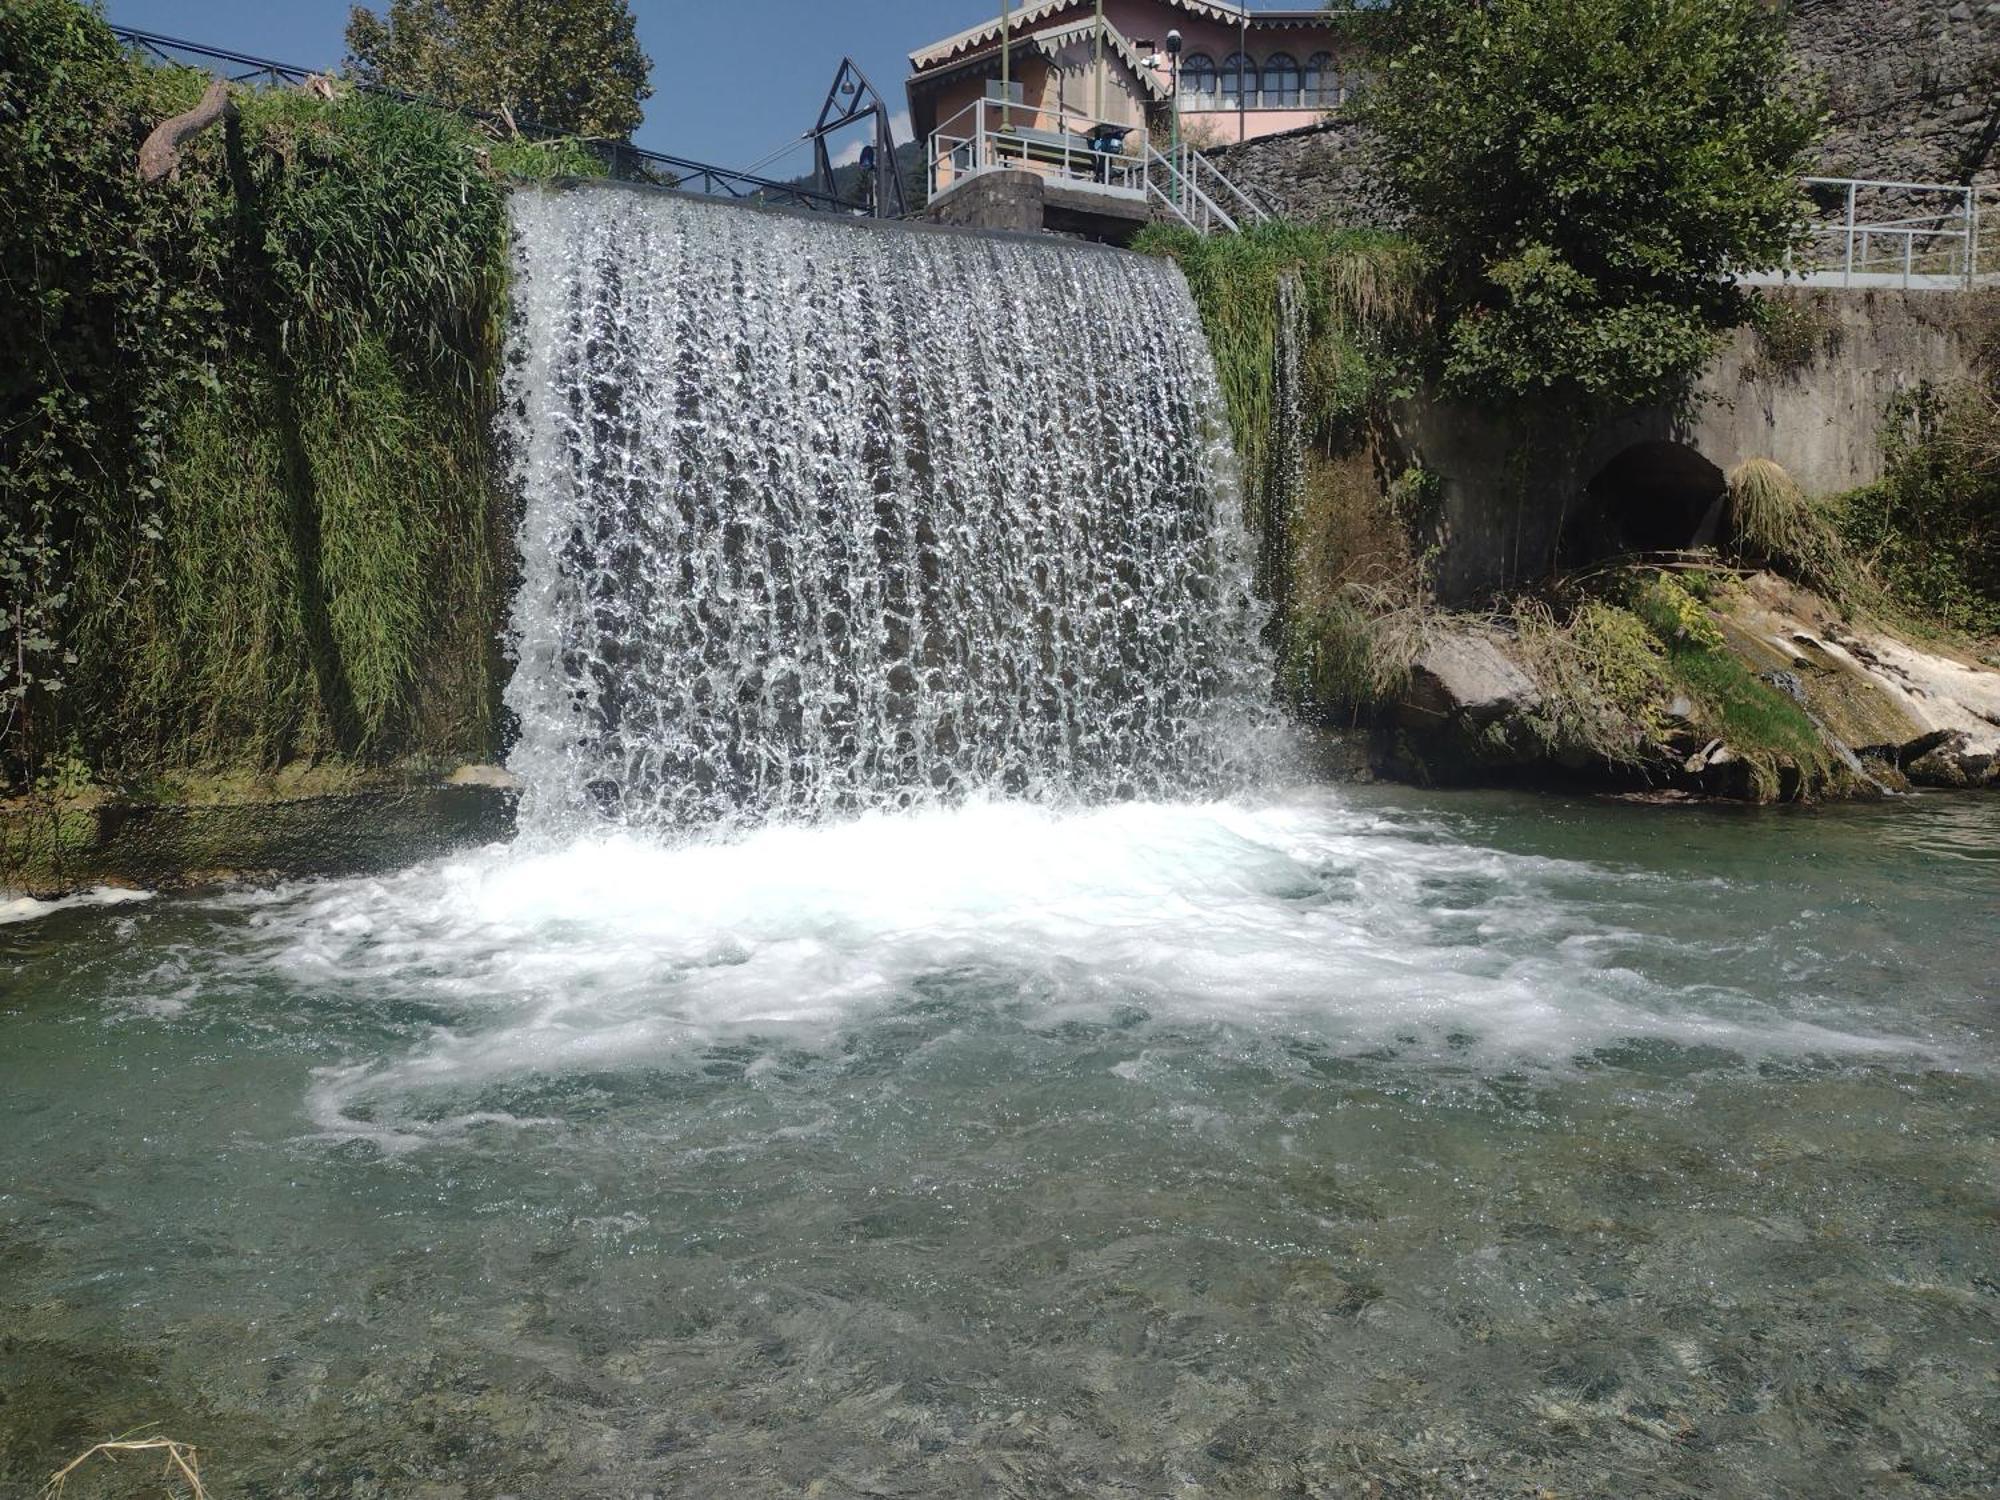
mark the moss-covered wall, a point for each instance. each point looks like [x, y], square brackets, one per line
[249, 514]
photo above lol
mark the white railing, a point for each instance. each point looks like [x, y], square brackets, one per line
[990, 135]
[1192, 189]
[1914, 236]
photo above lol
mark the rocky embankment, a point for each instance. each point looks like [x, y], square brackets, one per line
[1891, 713]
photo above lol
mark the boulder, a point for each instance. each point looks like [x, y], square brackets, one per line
[499, 778]
[1468, 674]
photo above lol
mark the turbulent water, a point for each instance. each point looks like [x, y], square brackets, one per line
[823, 518]
[924, 1046]
[1288, 1144]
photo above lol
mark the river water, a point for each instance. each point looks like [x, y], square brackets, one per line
[1460, 1145]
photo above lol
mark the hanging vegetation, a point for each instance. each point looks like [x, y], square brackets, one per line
[245, 485]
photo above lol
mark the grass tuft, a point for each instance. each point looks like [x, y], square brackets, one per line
[1774, 523]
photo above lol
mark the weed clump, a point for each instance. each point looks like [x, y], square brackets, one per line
[1930, 530]
[1602, 676]
[1775, 524]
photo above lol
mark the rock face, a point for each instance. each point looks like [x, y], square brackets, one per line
[1894, 712]
[1913, 87]
[1471, 677]
[49, 849]
[1322, 174]
[1928, 713]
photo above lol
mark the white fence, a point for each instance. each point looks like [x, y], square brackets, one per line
[1183, 185]
[1912, 236]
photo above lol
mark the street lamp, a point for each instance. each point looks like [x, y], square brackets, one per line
[1174, 149]
[1006, 66]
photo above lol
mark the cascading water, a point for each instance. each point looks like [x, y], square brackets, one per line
[823, 516]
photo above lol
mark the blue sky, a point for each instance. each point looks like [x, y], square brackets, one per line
[732, 79]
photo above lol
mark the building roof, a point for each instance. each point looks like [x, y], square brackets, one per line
[978, 37]
[1051, 43]
[1116, 42]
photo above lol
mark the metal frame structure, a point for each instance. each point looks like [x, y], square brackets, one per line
[986, 136]
[1912, 236]
[621, 159]
[851, 100]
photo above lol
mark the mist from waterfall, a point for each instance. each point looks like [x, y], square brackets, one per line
[823, 516]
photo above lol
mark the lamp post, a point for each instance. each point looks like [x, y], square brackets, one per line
[1006, 65]
[1099, 63]
[1174, 147]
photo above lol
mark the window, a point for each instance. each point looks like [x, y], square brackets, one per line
[1198, 82]
[1283, 88]
[1323, 84]
[1239, 82]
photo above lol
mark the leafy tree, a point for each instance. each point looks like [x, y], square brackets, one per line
[1585, 176]
[573, 66]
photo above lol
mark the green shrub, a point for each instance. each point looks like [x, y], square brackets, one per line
[1585, 176]
[1930, 530]
[1602, 677]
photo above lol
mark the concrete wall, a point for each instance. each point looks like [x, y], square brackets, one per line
[1514, 500]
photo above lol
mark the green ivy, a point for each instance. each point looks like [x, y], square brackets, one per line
[246, 490]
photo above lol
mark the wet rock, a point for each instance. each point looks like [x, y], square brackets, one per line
[1954, 764]
[1469, 675]
[499, 778]
[1787, 683]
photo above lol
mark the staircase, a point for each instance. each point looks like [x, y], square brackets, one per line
[1185, 187]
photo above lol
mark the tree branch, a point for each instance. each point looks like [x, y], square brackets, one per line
[160, 156]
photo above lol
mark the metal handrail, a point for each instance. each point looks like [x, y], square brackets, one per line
[970, 143]
[622, 159]
[1251, 209]
[1951, 233]
[1184, 197]
[959, 152]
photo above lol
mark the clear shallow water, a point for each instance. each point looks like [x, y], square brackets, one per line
[1463, 1145]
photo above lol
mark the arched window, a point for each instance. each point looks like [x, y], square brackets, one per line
[1239, 82]
[1282, 86]
[1322, 81]
[1198, 82]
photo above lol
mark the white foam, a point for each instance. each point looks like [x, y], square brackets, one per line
[1293, 915]
[27, 908]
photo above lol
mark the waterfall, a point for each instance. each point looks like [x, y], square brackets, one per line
[822, 515]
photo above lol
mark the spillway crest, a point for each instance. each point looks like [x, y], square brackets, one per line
[822, 516]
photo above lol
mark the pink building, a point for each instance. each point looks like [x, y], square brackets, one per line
[1241, 73]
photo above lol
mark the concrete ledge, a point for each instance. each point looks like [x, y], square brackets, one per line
[1028, 203]
[50, 849]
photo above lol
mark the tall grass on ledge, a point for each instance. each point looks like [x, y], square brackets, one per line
[1774, 523]
[294, 544]
[1359, 289]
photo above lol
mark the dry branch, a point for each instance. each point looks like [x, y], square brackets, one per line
[181, 1460]
[161, 153]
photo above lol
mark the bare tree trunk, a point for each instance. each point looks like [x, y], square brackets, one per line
[161, 153]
